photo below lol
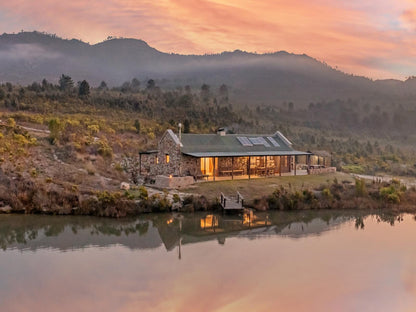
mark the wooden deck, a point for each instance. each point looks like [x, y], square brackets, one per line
[232, 203]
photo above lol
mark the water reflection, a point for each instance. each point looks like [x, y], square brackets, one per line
[171, 230]
[280, 261]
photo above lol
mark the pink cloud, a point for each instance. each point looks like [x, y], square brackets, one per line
[351, 35]
[409, 18]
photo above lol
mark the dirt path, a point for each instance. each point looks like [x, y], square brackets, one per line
[386, 178]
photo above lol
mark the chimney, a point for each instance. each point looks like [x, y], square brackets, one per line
[180, 132]
[221, 131]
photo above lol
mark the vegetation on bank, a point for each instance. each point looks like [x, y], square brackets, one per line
[342, 195]
[65, 148]
[24, 196]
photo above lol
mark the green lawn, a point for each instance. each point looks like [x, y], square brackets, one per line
[256, 188]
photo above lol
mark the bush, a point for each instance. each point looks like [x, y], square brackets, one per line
[360, 187]
[326, 192]
[195, 203]
[143, 194]
[390, 194]
[104, 149]
[176, 198]
[11, 122]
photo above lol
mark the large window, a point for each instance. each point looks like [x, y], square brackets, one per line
[207, 165]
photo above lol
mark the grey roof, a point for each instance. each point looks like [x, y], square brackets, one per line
[215, 145]
[174, 137]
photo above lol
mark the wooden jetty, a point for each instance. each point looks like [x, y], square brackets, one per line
[232, 203]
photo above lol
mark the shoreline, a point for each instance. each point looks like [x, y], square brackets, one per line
[30, 198]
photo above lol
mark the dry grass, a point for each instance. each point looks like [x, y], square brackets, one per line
[256, 188]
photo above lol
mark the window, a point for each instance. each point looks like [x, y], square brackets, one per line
[157, 160]
[167, 158]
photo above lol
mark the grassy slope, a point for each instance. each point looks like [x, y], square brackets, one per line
[256, 188]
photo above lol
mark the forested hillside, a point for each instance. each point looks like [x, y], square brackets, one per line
[113, 122]
[253, 79]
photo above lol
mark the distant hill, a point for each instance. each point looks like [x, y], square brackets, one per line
[253, 78]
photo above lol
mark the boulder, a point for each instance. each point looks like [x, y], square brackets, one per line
[124, 186]
[5, 209]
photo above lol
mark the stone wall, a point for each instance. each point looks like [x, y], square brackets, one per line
[178, 164]
[190, 166]
[322, 170]
[147, 161]
[173, 182]
[168, 148]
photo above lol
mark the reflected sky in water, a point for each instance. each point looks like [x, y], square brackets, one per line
[303, 261]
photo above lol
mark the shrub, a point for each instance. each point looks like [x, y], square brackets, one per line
[390, 194]
[55, 127]
[93, 129]
[11, 122]
[360, 187]
[326, 192]
[33, 172]
[143, 194]
[176, 198]
[104, 149]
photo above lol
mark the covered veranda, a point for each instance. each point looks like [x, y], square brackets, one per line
[220, 167]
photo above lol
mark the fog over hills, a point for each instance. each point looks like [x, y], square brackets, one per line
[252, 78]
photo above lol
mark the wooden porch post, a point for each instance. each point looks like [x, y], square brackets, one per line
[232, 168]
[294, 161]
[265, 165]
[280, 166]
[213, 175]
[249, 169]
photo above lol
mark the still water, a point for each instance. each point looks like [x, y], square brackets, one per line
[283, 261]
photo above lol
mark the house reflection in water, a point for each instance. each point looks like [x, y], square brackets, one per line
[173, 231]
[209, 222]
[212, 222]
[200, 227]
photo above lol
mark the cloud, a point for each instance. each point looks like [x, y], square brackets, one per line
[344, 34]
[409, 19]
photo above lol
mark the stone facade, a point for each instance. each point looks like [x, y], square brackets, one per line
[147, 162]
[322, 170]
[163, 181]
[169, 160]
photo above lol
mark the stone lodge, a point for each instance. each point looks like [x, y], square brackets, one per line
[224, 156]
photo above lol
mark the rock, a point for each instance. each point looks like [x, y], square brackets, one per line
[5, 209]
[176, 206]
[124, 186]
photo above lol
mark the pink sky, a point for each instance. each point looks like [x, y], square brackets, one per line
[372, 38]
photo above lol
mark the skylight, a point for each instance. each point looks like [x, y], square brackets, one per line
[244, 141]
[259, 141]
[273, 141]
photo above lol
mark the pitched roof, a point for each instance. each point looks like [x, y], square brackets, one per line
[215, 145]
[174, 137]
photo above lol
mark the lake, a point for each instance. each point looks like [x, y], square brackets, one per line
[277, 261]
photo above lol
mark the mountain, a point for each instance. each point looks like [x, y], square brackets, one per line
[253, 78]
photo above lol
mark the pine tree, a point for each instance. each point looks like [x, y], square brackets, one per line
[84, 88]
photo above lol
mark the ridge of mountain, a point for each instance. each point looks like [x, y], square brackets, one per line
[254, 78]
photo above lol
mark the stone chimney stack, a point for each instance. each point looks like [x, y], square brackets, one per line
[221, 131]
